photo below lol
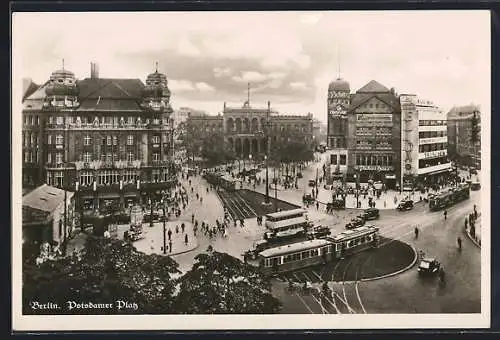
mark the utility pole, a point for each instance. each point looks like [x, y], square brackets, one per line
[268, 148]
[275, 191]
[164, 230]
[65, 221]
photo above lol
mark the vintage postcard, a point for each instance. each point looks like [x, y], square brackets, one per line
[251, 170]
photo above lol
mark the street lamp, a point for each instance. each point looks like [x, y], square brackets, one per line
[164, 229]
[357, 190]
[151, 215]
[267, 181]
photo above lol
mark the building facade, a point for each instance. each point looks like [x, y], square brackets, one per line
[460, 145]
[107, 139]
[243, 129]
[338, 104]
[374, 135]
[424, 151]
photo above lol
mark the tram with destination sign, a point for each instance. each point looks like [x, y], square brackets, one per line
[308, 253]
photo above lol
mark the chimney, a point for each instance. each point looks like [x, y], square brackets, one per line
[94, 71]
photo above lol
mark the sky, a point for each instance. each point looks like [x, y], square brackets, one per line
[289, 58]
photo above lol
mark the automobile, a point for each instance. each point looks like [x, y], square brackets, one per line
[258, 246]
[405, 205]
[473, 171]
[147, 217]
[318, 231]
[312, 183]
[371, 214]
[355, 222]
[307, 198]
[328, 186]
[299, 175]
[474, 186]
[428, 266]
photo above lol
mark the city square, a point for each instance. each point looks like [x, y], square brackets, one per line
[366, 200]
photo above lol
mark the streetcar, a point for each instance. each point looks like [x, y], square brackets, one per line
[450, 197]
[286, 224]
[317, 251]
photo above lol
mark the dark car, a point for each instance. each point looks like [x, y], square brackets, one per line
[299, 174]
[307, 198]
[428, 266]
[312, 183]
[318, 231]
[405, 205]
[355, 222]
[474, 186]
[371, 214]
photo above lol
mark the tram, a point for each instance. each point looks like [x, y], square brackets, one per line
[221, 180]
[317, 251]
[450, 197]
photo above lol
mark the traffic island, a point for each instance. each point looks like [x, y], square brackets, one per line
[390, 258]
[152, 243]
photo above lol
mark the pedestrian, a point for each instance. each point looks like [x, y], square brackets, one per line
[169, 234]
[445, 214]
[317, 205]
[176, 229]
[170, 245]
[385, 204]
[186, 239]
[416, 232]
[459, 242]
[192, 218]
[466, 223]
[183, 226]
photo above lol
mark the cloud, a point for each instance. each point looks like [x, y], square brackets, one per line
[186, 47]
[222, 71]
[180, 85]
[250, 76]
[298, 86]
[204, 87]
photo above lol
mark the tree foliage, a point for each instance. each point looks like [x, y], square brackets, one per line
[475, 130]
[291, 147]
[109, 270]
[221, 284]
[106, 271]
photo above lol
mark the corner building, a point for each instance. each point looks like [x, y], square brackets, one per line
[339, 100]
[460, 145]
[424, 151]
[374, 135]
[107, 139]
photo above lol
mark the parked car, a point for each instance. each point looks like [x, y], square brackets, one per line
[318, 231]
[474, 186]
[299, 174]
[312, 183]
[355, 222]
[405, 205]
[371, 214]
[428, 266]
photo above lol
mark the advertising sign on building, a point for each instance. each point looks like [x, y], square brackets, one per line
[374, 167]
[376, 118]
[437, 153]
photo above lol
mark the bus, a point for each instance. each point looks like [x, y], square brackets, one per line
[309, 253]
[450, 197]
[286, 224]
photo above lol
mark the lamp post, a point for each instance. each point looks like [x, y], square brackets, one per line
[164, 229]
[275, 191]
[151, 214]
[357, 189]
[267, 181]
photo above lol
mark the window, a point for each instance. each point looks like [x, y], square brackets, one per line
[108, 140]
[37, 120]
[156, 157]
[109, 157]
[51, 120]
[86, 140]
[343, 159]
[130, 120]
[49, 139]
[32, 120]
[156, 175]
[26, 157]
[59, 158]
[26, 120]
[333, 159]
[59, 120]
[130, 157]
[59, 178]
[49, 158]
[115, 140]
[87, 157]
[86, 178]
[59, 140]
[130, 140]
[156, 139]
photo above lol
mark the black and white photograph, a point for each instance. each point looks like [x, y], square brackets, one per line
[251, 170]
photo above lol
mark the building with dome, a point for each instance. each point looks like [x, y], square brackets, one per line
[107, 139]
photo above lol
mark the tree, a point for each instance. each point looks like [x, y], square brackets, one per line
[106, 271]
[475, 133]
[221, 284]
[291, 147]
